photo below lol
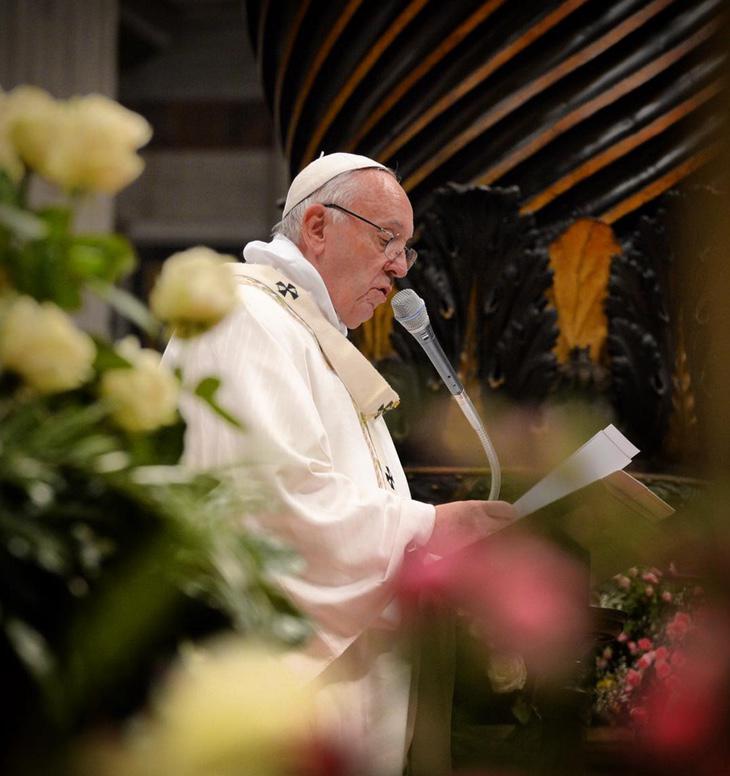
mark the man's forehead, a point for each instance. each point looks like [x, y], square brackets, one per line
[385, 199]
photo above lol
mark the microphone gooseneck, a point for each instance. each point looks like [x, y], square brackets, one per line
[410, 311]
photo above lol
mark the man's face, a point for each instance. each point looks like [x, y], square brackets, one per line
[353, 266]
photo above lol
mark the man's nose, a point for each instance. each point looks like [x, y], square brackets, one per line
[398, 266]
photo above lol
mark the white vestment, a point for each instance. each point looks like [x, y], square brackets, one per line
[343, 500]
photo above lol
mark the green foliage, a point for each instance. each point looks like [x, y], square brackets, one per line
[102, 535]
[206, 390]
[42, 257]
[111, 552]
[650, 598]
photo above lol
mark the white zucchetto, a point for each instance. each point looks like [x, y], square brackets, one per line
[322, 170]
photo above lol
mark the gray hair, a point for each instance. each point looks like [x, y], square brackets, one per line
[341, 190]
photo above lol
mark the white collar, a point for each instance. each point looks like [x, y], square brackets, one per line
[282, 254]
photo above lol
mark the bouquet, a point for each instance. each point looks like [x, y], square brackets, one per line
[107, 543]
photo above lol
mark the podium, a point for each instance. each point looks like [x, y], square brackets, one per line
[607, 526]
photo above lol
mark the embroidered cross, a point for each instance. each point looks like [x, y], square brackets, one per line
[389, 477]
[383, 408]
[287, 288]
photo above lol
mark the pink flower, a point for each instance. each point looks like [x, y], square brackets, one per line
[650, 576]
[645, 643]
[667, 597]
[623, 582]
[633, 648]
[663, 670]
[661, 653]
[633, 678]
[645, 661]
[622, 637]
[523, 594]
[688, 709]
[633, 572]
[648, 591]
[679, 626]
[684, 721]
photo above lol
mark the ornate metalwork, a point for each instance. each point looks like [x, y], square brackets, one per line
[483, 273]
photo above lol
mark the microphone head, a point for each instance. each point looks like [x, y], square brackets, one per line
[410, 310]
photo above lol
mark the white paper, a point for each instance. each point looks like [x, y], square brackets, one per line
[606, 452]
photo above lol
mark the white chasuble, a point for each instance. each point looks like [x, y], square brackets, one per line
[312, 408]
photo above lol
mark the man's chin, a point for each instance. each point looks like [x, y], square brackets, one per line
[365, 311]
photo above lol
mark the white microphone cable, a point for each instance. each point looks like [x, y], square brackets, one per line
[410, 311]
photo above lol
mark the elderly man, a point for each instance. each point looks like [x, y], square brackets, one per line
[313, 407]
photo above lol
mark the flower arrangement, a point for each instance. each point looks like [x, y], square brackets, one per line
[662, 611]
[105, 538]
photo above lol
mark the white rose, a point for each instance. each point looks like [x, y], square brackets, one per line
[42, 344]
[236, 709]
[194, 291]
[506, 672]
[35, 121]
[233, 709]
[86, 143]
[96, 150]
[10, 161]
[144, 396]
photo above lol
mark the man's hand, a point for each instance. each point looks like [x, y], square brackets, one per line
[460, 523]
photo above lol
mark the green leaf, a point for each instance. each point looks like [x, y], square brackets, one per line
[206, 390]
[22, 223]
[10, 193]
[522, 710]
[40, 267]
[107, 257]
[58, 220]
[127, 305]
[107, 357]
[162, 447]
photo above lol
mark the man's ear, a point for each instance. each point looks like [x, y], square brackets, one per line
[312, 231]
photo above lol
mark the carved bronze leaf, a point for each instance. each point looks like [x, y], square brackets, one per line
[483, 274]
[581, 259]
[641, 340]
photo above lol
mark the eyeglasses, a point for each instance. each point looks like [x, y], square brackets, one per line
[395, 245]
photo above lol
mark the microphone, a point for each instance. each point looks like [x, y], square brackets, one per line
[410, 311]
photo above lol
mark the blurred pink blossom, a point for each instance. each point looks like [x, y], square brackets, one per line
[667, 597]
[523, 594]
[633, 678]
[644, 643]
[662, 668]
[688, 710]
[678, 626]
